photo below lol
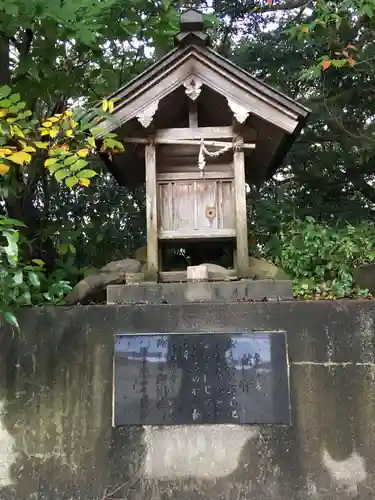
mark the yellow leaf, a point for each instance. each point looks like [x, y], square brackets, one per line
[84, 182]
[44, 132]
[73, 124]
[105, 105]
[83, 153]
[47, 124]
[38, 262]
[20, 158]
[50, 161]
[5, 151]
[111, 106]
[3, 168]
[3, 112]
[29, 149]
[53, 132]
[68, 113]
[69, 133]
[53, 119]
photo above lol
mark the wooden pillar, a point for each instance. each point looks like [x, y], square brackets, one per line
[242, 250]
[151, 213]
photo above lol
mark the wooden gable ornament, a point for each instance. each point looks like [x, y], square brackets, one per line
[196, 128]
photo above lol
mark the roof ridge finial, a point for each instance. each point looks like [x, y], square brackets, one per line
[192, 30]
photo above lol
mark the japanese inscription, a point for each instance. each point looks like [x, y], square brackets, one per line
[178, 379]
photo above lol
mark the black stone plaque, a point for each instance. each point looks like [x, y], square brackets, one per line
[201, 379]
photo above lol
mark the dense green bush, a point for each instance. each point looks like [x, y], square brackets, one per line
[320, 257]
[23, 284]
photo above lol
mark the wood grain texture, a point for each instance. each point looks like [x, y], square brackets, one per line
[151, 213]
[242, 254]
[196, 208]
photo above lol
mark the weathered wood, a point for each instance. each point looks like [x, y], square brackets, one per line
[200, 133]
[188, 142]
[196, 208]
[192, 175]
[191, 167]
[214, 77]
[151, 213]
[193, 114]
[242, 255]
[181, 276]
[198, 234]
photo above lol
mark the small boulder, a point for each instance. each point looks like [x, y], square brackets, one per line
[216, 271]
[93, 288]
[261, 269]
[122, 266]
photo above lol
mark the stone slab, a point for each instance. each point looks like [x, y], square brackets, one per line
[57, 441]
[179, 293]
[193, 379]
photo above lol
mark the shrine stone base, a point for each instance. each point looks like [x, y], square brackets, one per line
[245, 290]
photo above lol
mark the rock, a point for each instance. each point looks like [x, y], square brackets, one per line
[364, 277]
[261, 269]
[122, 266]
[93, 288]
[197, 273]
[215, 271]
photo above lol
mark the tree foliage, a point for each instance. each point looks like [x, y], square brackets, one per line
[57, 58]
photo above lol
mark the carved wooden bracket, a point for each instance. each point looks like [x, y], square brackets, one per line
[240, 113]
[146, 116]
[193, 87]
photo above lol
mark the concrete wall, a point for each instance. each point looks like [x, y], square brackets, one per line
[57, 443]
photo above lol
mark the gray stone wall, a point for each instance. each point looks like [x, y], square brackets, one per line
[57, 441]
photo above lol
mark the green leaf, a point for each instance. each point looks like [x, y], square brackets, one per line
[6, 221]
[5, 103]
[87, 174]
[11, 9]
[15, 98]
[63, 248]
[11, 250]
[78, 165]
[61, 174]
[366, 9]
[5, 90]
[11, 319]
[18, 278]
[54, 168]
[71, 181]
[70, 160]
[339, 63]
[34, 279]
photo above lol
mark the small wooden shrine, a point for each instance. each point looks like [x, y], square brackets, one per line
[196, 129]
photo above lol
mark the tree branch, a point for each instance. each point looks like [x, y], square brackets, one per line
[289, 5]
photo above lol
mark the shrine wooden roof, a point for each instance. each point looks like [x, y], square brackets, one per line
[156, 98]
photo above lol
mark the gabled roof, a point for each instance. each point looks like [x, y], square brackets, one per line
[173, 69]
[283, 116]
